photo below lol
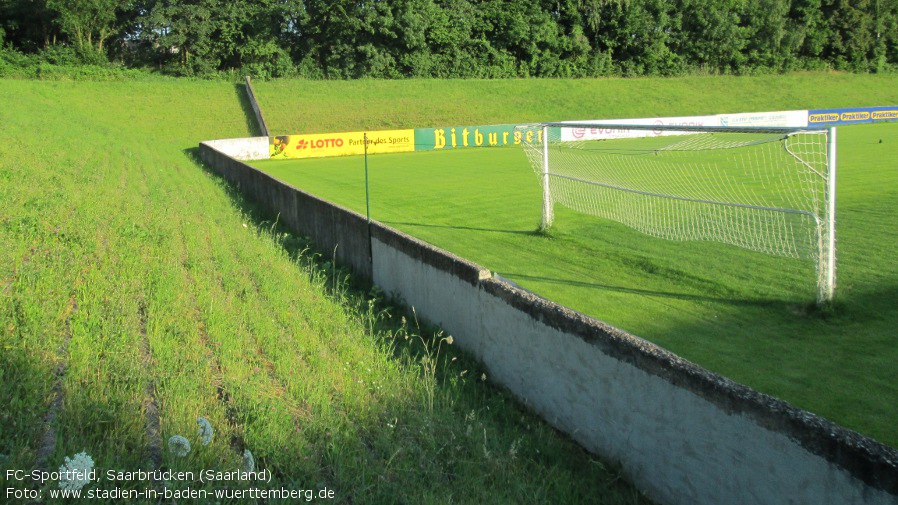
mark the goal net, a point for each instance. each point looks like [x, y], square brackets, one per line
[770, 190]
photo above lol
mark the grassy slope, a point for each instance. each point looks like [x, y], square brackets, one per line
[133, 281]
[298, 106]
[740, 314]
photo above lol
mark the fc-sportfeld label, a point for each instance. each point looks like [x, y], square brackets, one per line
[321, 145]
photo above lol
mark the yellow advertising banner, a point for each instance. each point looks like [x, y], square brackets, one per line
[836, 117]
[320, 145]
[885, 115]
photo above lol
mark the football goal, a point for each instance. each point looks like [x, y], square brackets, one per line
[766, 189]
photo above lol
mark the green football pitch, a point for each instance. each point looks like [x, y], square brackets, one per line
[748, 316]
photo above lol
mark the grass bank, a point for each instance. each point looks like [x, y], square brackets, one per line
[138, 293]
[302, 106]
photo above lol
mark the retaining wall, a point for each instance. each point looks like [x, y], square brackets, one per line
[681, 433]
[260, 118]
[252, 148]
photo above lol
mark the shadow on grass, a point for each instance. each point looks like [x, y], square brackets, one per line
[646, 292]
[465, 228]
[252, 124]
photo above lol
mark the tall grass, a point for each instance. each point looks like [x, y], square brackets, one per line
[138, 292]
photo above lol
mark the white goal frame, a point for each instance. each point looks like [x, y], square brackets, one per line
[826, 229]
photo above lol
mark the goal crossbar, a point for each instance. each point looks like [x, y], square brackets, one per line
[674, 127]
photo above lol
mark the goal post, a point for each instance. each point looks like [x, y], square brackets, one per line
[827, 285]
[766, 189]
[548, 206]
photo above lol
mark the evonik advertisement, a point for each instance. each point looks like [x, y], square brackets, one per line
[791, 118]
[587, 132]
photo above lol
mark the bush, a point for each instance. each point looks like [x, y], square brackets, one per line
[16, 64]
[266, 61]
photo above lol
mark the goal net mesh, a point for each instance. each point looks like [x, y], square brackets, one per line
[760, 190]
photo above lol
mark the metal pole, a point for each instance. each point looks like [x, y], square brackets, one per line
[830, 216]
[367, 192]
[547, 195]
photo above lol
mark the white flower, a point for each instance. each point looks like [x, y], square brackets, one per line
[75, 471]
[205, 430]
[248, 464]
[179, 445]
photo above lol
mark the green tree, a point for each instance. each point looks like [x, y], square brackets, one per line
[178, 35]
[808, 33]
[709, 35]
[457, 40]
[28, 25]
[766, 24]
[88, 22]
[886, 26]
[248, 34]
[350, 39]
[643, 37]
[853, 28]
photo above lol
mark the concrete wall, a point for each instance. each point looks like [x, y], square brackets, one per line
[336, 232]
[260, 118]
[252, 148]
[681, 433]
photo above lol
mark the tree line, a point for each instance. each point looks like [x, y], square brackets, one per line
[455, 38]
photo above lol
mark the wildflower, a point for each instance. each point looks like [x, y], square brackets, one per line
[449, 340]
[75, 472]
[205, 430]
[248, 464]
[513, 450]
[179, 445]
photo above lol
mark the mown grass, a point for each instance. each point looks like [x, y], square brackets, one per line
[302, 106]
[139, 292]
[747, 316]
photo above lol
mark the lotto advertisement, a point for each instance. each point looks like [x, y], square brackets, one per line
[341, 144]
